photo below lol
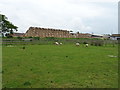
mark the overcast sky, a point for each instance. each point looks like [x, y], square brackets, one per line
[85, 16]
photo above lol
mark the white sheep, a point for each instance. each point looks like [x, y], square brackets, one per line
[56, 43]
[77, 44]
[10, 46]
[86, 45]
[60, 43]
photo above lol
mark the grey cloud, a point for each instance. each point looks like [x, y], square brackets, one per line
[63, 14]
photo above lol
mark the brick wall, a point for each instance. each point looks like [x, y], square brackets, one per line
[48, 32]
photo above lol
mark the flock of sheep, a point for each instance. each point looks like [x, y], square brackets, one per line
[77, 44]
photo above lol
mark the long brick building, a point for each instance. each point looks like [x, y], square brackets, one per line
[48, 32]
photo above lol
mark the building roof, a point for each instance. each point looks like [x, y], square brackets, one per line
[97, 35]
[48, 29]
[115, 35]
[84, 34]
[18, 34]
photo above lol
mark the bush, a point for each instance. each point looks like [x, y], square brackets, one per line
[20, 38]
[30, 37]
[36, 38]
[8, 35]
[85, 43]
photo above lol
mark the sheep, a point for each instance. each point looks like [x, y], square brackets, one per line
[56, 43]
[60, 43]
[10, 46]
[86, 45]
[77, 44]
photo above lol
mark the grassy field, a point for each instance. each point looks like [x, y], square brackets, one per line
[66, 66]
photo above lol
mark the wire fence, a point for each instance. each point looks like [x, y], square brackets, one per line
[48, 41]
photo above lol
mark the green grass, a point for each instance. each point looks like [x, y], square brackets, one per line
[67, 66]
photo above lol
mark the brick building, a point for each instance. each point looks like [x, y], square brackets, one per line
[83, 35]
[48, 32]
[18, 35]
[115, 37]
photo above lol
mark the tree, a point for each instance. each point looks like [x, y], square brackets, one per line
[71, 31]
[77, 32]
[6, 27]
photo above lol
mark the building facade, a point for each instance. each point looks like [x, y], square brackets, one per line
[115, 37]
[83, 35]
[18, 34]
[48, 32]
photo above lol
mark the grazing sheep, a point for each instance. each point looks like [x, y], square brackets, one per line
[86, 45]
[60, 43]
[10, 46]
[77, 44]
[56, 43]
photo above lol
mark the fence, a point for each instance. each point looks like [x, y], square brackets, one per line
[45, 41]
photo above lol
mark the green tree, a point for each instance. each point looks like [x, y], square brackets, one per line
[6, 27]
